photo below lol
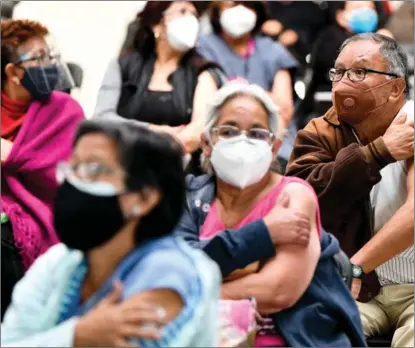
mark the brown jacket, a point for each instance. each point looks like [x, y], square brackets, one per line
[327, 155]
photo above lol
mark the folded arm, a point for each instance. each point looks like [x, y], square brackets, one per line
[395, 237]
[231, 249]
[285, 278]
[327, 174]
[282, 94]
[109, 95]
[190, 135]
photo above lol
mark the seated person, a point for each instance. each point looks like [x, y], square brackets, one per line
[296, 24]
[237, 47]
[297, 289]
[359, 158]
[122, 193]
[37, 127]
[161, 81]
[352, 17]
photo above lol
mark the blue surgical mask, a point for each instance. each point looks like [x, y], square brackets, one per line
[362, 20]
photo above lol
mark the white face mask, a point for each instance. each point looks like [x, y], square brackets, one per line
[182, 33]
[240, 161]
[238, 21]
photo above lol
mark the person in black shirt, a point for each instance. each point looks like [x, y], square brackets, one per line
[296, 24]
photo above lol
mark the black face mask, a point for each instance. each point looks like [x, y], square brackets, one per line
[40, 81]
[84, 221]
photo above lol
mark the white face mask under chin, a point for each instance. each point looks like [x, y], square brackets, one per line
[238, 21]
[182, 33]
[240, 161]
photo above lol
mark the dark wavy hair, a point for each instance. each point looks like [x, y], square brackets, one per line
[150, 160]
[151, 15]
[259, 7]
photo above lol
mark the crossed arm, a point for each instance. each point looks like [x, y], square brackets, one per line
[395, 237]
[110, 93]
[285, 277]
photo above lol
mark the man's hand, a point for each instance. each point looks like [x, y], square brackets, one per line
[286, 226]
[399, 139]
[356, 287]
[112, 324]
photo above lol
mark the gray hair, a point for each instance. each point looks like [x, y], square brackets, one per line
[391, 52]
[232, 90]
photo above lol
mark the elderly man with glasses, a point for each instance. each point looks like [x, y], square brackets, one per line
[359, 159]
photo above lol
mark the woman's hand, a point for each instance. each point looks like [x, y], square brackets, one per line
[272, 27]
[6, 147]
[288, 37]
[112, 323]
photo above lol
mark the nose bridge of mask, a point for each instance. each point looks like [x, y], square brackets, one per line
[96, 188]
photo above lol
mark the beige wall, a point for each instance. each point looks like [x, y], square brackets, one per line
[88, 33]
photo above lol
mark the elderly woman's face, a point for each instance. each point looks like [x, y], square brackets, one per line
[246, 114]
[240, 146]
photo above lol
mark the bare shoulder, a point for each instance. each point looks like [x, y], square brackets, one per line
[206, 78]
[301, 195]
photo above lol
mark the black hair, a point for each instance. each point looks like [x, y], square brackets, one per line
[150, 160]
[152, 14]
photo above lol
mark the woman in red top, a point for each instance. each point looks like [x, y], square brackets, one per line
[37, 125]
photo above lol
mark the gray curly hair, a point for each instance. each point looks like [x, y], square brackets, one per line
[226, 93]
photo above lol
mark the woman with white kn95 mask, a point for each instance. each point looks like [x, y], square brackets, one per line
[235, 214]
[237, 46]
[160, 81]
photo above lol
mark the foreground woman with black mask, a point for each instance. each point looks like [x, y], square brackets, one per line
[112, 282]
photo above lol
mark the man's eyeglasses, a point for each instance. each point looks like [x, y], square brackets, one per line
[228, 132]
[354, 75]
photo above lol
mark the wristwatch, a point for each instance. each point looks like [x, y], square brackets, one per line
[357, 272]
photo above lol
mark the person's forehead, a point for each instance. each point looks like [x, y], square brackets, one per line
[98, 146]
[225, 4]
[360, 52]
[177, 5]
[351, 5]
[32, 47]
[244, 110]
